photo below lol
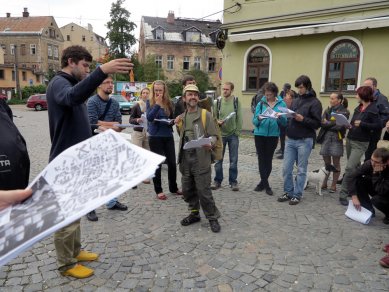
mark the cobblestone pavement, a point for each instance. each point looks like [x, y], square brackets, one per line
[263, 246]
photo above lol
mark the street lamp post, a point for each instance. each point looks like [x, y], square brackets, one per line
[18, 91]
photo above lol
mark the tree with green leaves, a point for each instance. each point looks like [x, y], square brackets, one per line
[120, 27]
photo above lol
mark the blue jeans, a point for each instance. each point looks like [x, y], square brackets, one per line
[296, 151]
[233, 146]
[111, 203]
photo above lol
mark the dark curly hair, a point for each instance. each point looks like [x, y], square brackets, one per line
[76, 53]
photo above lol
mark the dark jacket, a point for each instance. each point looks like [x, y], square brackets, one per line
[330, 124]
[68, 115]
[382, 104]
[14, 160]
[380, 180]
[370, 121]
[310, 108]
[155, 128]
[136, 113]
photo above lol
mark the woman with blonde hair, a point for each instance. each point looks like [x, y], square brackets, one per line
[160, 129]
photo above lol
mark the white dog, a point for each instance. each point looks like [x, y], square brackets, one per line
[316, 177]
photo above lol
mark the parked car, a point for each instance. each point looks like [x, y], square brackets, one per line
[37, 101]
[124, 104]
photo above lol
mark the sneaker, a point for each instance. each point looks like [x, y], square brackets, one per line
[259, 187]
[119, 206]
[294, 201]
[385, 220]
[283, 198]
[269, 191]
[86, 256]
[279, 151]
[216, 185]
[215, 226]
[281, 156]
[234, 187]
[91, 216]
[343, 201]
[78, 271]
[385, 261]
[192, 218]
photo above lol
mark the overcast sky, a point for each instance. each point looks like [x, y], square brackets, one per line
[96, 12]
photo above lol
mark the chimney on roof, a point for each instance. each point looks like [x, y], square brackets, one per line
[8, 14]
[90, 27]
[170, 17]
[25, 12]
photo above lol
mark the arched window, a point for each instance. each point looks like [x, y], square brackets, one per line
[342, 66]
[257, 68]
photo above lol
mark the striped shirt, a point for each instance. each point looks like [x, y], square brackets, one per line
[96, 107]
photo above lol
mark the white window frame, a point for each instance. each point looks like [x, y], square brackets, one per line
[32, 49]
[170, 62]
[244, 83]
[186, 59]
[49, 51]
[325, 53]
[158, 61]
[197, 63]
[12, 49]
[55, 52]
[214, 69]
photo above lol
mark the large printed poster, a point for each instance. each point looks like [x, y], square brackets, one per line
[79, 180]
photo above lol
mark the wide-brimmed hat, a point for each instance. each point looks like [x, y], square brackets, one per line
[190, 87]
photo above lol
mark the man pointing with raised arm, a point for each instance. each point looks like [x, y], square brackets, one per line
[69, 125]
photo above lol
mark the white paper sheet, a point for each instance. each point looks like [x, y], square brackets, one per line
[230, 115]
[79, 180]
[288, 112]
[126, 125]
[341, 120]
[268, 114]
[166, 121]
[362, 216]
[197, 143]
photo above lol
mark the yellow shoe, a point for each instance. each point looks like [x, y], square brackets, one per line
[79, 272]
[86, 256]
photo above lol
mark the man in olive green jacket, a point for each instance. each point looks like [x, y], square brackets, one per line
[195, 163]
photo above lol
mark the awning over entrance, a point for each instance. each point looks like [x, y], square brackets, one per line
[350, 25]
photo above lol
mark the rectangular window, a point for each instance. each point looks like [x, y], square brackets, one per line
[52, 33]
[55, 52]
[68, 37]
[32, 49]
[22, 49]
[197, 63]
[83, 38]
[211, 64]
[37, 78]
[13, 75]
[4, 47]
[12, 49]
[24, 75]
[170, 62]
[49, 51]
[193, 36]
[91, 38]
[159, 34]
[185, 64]
[2, 74]
[158, 61]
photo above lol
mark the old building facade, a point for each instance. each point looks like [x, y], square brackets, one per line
[179, 44]
[75, 34]
[337, 43]
[31, 45]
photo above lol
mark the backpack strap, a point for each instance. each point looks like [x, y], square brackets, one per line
[107, 106]
[204, 118]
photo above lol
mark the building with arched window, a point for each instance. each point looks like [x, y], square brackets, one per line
[338, 44]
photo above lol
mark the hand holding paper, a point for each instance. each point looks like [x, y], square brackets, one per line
[197, 143]
[341, 120]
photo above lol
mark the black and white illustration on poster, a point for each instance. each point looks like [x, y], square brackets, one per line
[79, 180]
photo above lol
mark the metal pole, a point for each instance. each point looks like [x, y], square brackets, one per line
[19, 92]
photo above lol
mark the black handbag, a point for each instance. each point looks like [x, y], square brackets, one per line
[320, 136]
